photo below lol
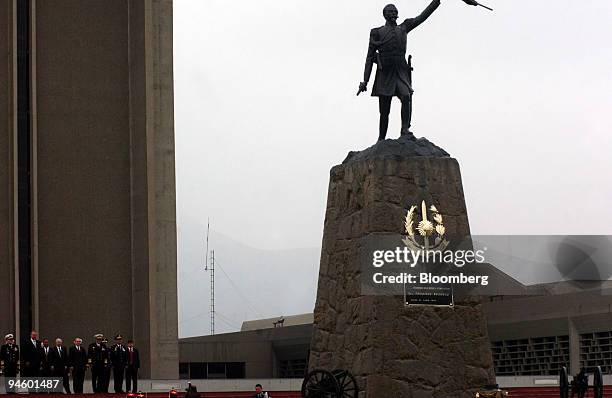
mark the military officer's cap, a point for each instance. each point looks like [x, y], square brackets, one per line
[9, 336]
[98, 336]
[119, 337]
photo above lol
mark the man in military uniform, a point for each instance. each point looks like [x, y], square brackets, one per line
[118, 356]
[387, 48]
[9, 358]
[107, 369]
[98, 359]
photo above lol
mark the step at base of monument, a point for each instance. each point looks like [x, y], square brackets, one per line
[547, 392]
[249, 394]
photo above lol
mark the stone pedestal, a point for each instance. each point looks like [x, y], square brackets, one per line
[393, 350]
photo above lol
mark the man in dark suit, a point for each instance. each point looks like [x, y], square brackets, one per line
[259, 392]
[58, 362]
[77, 359]
[45, 352]
[98, 359]
[30, 355]
[387, 49]
[118, 356]
[131, 370]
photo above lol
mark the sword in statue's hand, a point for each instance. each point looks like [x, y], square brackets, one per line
[475, 3]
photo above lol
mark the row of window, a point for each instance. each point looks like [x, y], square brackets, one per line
[596, 350]
[538, 356]
[212, 370]
[546, 355]
[295, 368]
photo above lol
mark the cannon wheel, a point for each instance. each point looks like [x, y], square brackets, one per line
[347, 382]
[598, 383]
[563, 383]
[320, 384]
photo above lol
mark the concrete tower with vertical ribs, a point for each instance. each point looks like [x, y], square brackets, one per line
[87, 182]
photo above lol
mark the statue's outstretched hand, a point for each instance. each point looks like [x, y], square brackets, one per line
[363, 87]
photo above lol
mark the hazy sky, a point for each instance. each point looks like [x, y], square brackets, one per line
[265, 105]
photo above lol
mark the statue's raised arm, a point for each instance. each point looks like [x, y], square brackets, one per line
[412, 23]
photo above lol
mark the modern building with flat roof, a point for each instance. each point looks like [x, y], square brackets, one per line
[531, 337]
[263, 349]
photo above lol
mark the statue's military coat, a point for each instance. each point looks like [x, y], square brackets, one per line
[387, 49]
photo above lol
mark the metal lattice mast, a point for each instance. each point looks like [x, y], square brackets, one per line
[212, 280]
[212, 292]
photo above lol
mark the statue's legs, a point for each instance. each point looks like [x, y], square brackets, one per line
[384, 106]
[406, 114]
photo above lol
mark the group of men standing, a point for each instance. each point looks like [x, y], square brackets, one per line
[38, 359]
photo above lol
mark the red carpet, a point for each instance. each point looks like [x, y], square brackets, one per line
[518, 392]
[523, 392]
[548, 392]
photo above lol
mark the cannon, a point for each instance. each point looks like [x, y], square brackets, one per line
[321, 383]
[565, 387]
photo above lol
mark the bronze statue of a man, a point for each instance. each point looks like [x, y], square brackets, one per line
[387, 49]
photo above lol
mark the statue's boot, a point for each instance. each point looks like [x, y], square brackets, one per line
[407, 134]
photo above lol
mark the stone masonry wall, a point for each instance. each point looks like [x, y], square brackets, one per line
[393, 350]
